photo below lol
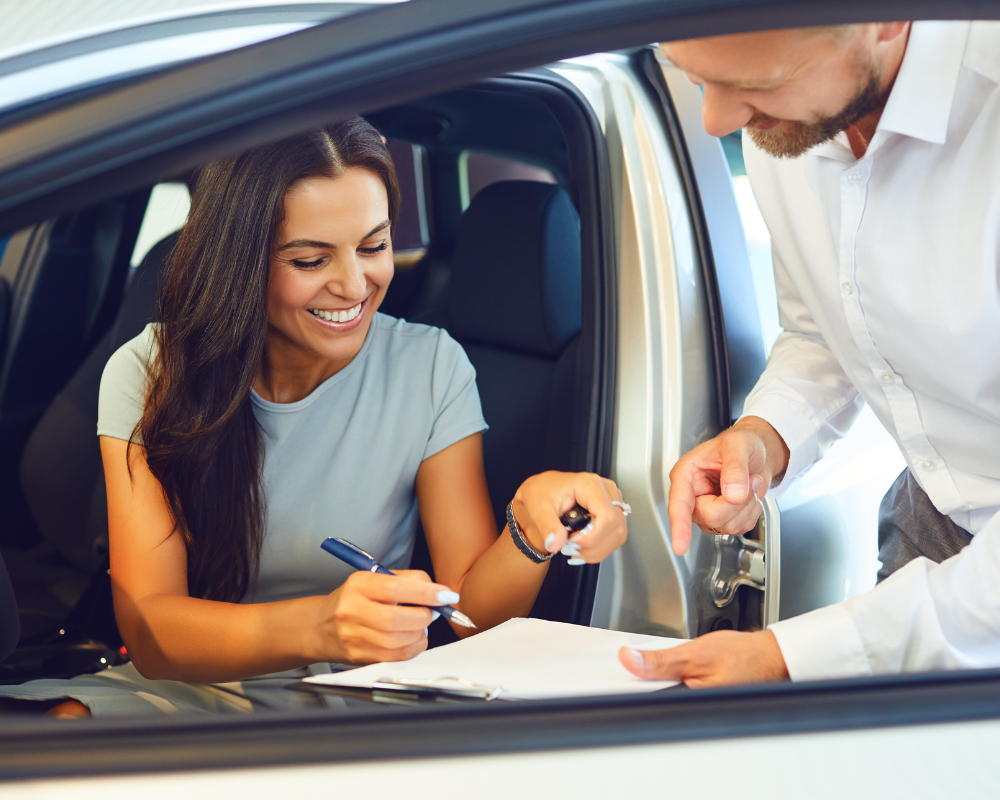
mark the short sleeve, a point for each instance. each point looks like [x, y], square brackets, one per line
[454, 397]
[123, 387]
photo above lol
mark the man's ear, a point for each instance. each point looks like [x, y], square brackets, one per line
[887, 31]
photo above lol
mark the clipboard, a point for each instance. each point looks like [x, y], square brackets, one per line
[409, 691]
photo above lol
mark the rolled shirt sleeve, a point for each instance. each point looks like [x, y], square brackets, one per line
[924, 617]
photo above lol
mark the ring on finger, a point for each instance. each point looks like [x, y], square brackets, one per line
[625, 507]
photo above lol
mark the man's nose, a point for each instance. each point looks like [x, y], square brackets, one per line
[722, 111]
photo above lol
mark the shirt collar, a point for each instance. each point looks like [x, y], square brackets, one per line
[920, 103]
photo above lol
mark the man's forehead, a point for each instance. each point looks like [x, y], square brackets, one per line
[745, 60]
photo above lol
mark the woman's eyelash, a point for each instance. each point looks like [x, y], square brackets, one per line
[373, 250]
[307, 264]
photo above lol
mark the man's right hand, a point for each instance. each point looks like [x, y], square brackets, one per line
[718, 484]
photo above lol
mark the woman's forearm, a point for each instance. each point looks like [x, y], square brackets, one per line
[174, 637]
[502, 583]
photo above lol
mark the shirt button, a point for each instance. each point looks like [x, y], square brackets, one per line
[854, 177]
[928, 465]
[887, 377]
[848, 287]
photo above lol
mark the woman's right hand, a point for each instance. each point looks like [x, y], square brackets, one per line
[365, 621]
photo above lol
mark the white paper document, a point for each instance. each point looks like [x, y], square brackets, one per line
[530, 659]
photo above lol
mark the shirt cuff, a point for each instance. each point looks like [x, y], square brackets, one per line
[792, 426]
[822, 645]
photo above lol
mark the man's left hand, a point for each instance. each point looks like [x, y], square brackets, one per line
[715, 659]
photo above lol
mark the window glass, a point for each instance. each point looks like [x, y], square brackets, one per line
[166, 212]
[478, 170]
[410, 237]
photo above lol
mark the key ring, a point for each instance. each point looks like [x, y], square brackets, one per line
[625, 507]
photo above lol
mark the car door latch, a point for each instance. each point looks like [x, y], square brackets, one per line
[738, 562]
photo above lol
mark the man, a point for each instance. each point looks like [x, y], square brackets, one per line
[874, 154]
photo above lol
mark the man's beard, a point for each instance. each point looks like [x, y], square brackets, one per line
[795, 138]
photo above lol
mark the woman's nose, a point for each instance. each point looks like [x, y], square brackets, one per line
[348, 279]
[722, 110]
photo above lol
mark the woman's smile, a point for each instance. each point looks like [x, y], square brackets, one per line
[341, 319]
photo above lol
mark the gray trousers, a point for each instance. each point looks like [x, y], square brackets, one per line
[909, 526]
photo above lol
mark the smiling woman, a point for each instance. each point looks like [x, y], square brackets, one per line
[272, 406]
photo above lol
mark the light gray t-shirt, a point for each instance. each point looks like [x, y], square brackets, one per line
[342, 461]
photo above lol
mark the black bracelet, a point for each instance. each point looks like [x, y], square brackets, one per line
[523, 544]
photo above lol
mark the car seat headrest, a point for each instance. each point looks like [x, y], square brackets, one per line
[516, 270]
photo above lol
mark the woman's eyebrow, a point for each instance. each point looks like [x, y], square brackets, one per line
[380, 227]
[326, 245]
[305, 243]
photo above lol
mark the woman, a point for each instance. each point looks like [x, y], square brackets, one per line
[272, 407]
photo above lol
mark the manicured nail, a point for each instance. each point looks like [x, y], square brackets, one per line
[570, 549]
[446, 598]
[757, 482]
[435, 615]
[550, 543]
[581, 533]
[636, 658]
[734, 491]
[576, 562]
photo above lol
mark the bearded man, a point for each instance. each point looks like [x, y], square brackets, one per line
[874, 154]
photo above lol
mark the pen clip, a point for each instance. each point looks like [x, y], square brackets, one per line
[354, 547]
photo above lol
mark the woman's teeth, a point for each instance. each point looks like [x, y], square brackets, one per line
[337, 316]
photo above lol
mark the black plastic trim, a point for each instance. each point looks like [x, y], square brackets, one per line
[48, 749]
[163, 124]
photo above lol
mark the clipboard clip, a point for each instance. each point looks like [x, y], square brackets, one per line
[446, 686]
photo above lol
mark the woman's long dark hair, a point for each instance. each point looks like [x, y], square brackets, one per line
[203, 443]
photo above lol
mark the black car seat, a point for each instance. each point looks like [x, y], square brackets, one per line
[10, 627]
[61, 475]
[65, 277]
[514, 303]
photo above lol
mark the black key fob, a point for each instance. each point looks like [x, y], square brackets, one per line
[576, 519]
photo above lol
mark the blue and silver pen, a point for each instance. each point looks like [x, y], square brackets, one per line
[356, 557]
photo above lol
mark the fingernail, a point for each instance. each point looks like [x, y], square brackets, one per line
[446, 598]
[425, 632]
[635, 656]
[576, 562]
[734, 491]
[582, 532]
[757, 483]
[570, 549]
[550, 543]
[435, 615]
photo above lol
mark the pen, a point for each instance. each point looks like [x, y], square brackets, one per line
[354, 556]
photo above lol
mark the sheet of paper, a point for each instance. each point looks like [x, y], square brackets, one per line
[530, 658]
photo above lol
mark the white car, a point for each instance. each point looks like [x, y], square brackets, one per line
[102, 118]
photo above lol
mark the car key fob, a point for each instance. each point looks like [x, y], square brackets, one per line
[576, 519]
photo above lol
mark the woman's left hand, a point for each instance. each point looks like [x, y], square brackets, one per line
[542, 499]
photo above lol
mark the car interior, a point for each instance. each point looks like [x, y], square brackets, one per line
[496, 180]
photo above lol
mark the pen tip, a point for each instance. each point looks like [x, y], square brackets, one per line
[464, 621]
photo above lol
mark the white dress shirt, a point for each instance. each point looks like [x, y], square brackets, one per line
[887, 270]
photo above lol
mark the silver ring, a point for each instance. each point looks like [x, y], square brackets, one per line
[625, 507]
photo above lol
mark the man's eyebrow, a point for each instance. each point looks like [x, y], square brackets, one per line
[326, 245]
